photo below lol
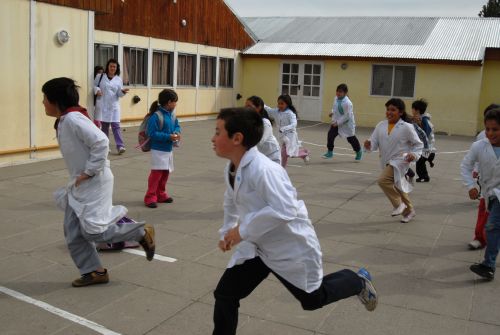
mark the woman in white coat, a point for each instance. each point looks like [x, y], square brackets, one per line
[269, 229]
[268, 145]
[399, 145]
[108, 87]
[89, 215]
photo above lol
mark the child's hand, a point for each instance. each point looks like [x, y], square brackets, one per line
[81, 178]
[368, 145]
[174, 137]
[474, 193]
[223, 246]
[232, 237]
[475, 174]
[409, 157]
[330, 114]
[334, 124]
[125, 90]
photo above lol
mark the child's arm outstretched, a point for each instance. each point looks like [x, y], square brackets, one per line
[466, 168]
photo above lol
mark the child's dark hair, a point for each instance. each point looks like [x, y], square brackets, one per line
[62, 91]
[245, 121]
[342, 87]
[288, 101]
[114, 61]
[490, 107]
[164, 98]
[400, 105]
[493, 114]
[258, 102]
[419, 105]
[97, 69]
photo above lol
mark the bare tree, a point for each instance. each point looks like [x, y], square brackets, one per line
[491, 9]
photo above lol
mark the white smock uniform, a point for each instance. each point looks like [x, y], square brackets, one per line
[269, 145]
[84, 148]
[287, 125]
[107, 106]
[273, 224]
[402, 139]
[344, 118]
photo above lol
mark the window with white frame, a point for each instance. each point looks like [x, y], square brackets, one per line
[207, 71]
[103, 53]
[135, 66]
[393, 80]
[186, 70]
[163, 65]
[226, 69]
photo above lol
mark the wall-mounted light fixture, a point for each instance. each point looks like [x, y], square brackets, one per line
[62, 37]
[136, 99]
[184, 22]
[343, 66]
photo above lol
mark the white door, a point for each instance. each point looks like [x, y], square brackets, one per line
[302, 80]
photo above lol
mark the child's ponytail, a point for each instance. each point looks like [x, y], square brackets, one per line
[154, 107]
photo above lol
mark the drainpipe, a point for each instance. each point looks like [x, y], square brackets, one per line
[32, 79]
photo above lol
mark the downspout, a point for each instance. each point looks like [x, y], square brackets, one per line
[90, 61]
[32, 79]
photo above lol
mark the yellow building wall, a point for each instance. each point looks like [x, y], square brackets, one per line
[490, 89]
[452, 91]
[14, 67]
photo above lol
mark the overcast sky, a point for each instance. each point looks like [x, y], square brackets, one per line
[356, 7]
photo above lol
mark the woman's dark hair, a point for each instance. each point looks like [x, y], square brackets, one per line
[342, 87]
[97, 69]
[114, 61]
[245, 121]
[490, 107]
[419, 105]
[258, 102]
[288, 101]
[61, 91]
[400, 105]
[164, 98]
[492, 114]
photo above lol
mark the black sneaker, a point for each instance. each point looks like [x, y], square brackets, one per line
[483, 271]
[91, 278]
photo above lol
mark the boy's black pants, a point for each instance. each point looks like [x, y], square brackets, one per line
[422, 168]
[334, 132]
[239, 281]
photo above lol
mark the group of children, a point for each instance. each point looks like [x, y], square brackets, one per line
[264, 222]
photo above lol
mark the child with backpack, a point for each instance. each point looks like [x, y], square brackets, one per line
[423, 120]
[163, 131]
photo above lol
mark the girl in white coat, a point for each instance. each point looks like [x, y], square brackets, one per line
[108, 87]
[268, 145]
[87, 200]
[270, 229]
[399, 145]
[286, 118]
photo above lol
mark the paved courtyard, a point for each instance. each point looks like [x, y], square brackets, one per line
[420, 268]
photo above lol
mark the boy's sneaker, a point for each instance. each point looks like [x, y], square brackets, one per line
[407, 217]
[121, 150]
[328, 155]
[368, 295]
[475, 245]
[399, 210]
[307, 159]
[483, 271]
[148, 241]
[359, 155]
[91, 278]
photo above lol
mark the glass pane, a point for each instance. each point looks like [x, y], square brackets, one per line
[286, 68]
[382, 80]
[315, 92]
[404, 81]
[307, 91]
[295, 68]
[317, 69]
[295, 79]
[284, 89]
[307, 79]
[294, 90]
[286, 79]
[316, 80]
[308, 68]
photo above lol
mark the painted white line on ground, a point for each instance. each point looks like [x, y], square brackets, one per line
[157, 257]
[313, 125]
[59, 312]
[452, 152]
[350, 171]
[294, 165]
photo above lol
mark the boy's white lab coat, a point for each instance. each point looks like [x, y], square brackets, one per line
[273, 224]
[107, 106]
[402, 139]
[287, 125]
[489, 168]
[85, 149]
[345, 122]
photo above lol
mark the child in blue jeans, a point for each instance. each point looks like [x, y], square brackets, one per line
[487, 153]
[269, 229]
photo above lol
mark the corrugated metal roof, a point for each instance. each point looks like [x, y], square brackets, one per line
[459, 39]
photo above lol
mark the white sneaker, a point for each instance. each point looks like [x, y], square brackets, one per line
[399, 210]
[307, 159]
[475, 244]
[408, 217]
